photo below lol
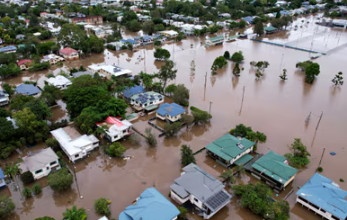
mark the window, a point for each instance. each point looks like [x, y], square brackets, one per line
[77, 155]
[38, 171]
[53, 163]
[47, 168]
[196, 200]
[116, 136]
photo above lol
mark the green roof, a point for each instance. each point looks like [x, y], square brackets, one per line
[217, 38]
[270, 29]
[229, 147]
[274, 166]
[243, 160]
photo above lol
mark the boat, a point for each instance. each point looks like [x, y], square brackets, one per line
[315, 56]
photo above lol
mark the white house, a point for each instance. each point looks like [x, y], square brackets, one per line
[201, 189]
[4, 98]
[52, 59]
[170, 111]
[109, 70]
[40, 163]
[60, 82]
[76, 147]
[69, 53]
[147, 99]
[115, 129]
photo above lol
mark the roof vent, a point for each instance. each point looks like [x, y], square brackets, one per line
[239, 145]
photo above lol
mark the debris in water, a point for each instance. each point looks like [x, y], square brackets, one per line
[332, 153]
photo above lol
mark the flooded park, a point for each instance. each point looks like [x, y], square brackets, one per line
[277, 108]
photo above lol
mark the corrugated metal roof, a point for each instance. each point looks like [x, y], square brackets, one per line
[229, 147]
[128, 92]
[151, 205]
[324, 193]
[274, 166]
[171, 109]
[243, 160]
[27, 89]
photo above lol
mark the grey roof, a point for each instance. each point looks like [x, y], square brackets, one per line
[27, 89]
[201, 185]
[39, 159]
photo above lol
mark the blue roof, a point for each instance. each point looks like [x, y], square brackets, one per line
[130, 41]
[172, 109]
[128, 92]
[2, 175]
[151, 205]
[27, 89]
[326, 194]
[248, 19]
[7, 49]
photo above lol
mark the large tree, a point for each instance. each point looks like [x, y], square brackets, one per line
[257, 198]
[237, 57]
[299, 156]
[187, 155]
[60, 180]
[161, 54]
[167, 72]
[311, 70]
[258, 28]
[6, 207]
[72, 35]
[247, 132]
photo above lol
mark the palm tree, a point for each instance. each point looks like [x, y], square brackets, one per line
[12, 170]
[228, 177]
[75, 214]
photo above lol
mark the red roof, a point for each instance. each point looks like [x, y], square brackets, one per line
[112, 121]
[24, 61]
[67, 51]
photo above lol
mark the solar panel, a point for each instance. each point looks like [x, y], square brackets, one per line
[217, 200]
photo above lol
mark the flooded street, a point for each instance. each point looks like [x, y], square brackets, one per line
[274, 107]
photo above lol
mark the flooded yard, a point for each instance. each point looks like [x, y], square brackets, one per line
[278, 109]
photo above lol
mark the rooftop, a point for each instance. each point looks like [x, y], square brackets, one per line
[58, 81]
[275, 166]
[27, 89]
[128, 92]
[201, 185]
[111, 69]
[326, 194]
[229, 147]
[147, 97]
[113, 123]
[38, 160]
[171, 109]
[67, 51]
[151, 205]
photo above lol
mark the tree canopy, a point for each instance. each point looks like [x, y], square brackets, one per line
[187, 155]
[257, 198]
[61, 180]
[299, 156]
[311, 70]
[237, 57]
[167, 72]
[200, 116]
[75, 214]
[6, 207]
[243, 131]
[161, 54]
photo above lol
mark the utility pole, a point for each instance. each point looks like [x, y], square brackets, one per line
[320, 161]
[77, 186]
[243, 96]
[209, 109]
[205, 86]
[320, 118]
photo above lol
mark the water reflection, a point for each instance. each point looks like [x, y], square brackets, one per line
[27, 206]
[61, 199]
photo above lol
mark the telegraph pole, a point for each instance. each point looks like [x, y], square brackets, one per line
[243, 96]
[205, 86]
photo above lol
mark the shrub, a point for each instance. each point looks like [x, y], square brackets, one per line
[6, 207]
[101, 207]
[150, 138]
[320, 169]
[45, 218]
[60, 180]
[27, 193]
[36, 189]
[27, 177]
[187, 155]
[115, 150]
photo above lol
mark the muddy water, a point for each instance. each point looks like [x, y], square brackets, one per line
[277, 108]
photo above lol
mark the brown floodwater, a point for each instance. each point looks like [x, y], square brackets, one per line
[277, 108]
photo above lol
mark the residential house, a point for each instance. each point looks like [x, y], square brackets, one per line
[8, 49]
[27, 89]
[115, 129]
[95, 20]
[201, 189]
[20, 37]
[129, 92]
[24, 64]
[60, 82]
[52, 59]
[74, 145]
[4, 98]
[131, 41]
[212, 41]
[170, 111]
[69, 53]
[274, 170]
[146, 101]
[151, 205]
[169, 33]
[82, 73]
[324, 197]
[270, 29]
[109, 70]
[228, 149]
[40, 163]
[2, 178]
